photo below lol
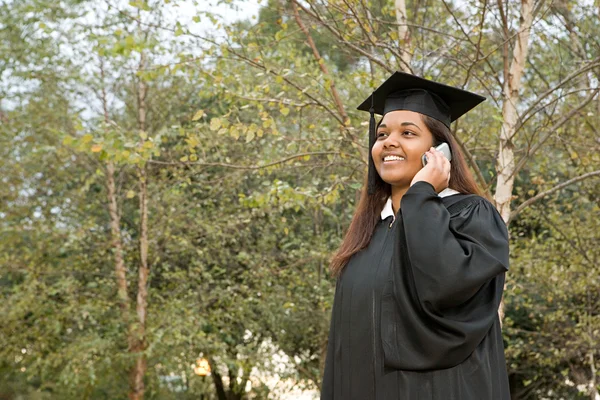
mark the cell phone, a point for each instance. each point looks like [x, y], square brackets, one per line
[444, 148]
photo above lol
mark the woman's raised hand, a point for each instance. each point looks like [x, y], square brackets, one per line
[436, 172]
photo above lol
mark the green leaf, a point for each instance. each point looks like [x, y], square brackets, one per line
[199, 114]
[192, 141]
[215, 124]
[129, 42]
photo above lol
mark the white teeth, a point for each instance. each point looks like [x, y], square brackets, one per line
[393, 158]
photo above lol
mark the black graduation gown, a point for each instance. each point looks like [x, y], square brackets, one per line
[415, 313]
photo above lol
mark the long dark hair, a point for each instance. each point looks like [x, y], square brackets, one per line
[369, 208]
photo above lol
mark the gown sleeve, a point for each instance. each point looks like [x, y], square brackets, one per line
[443, 297]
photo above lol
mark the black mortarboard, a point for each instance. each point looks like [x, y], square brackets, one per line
[403, 91]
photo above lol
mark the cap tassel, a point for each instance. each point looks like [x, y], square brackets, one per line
[372, 172]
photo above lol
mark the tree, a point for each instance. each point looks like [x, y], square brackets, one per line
[173, 195]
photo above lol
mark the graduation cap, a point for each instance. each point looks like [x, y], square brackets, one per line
[403, 91]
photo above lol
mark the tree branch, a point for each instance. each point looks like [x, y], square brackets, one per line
[457, 21]
[567, 239]
[505, 44]
[321, 62]
[553, 129]
[287, 102]
[338, 35]
[478, 46]
[251, 167]
[595, 63]
[550, 191]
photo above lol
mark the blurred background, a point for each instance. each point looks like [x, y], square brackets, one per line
[177, 174]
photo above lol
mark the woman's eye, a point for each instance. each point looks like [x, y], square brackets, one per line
[407, 133]
[381, 134]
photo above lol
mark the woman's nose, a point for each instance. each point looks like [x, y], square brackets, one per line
[390, 141]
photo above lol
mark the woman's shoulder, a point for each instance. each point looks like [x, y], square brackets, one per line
[472, 206]
[461, 201]
[475, 211]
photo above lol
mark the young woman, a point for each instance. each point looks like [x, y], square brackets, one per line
[420, 273]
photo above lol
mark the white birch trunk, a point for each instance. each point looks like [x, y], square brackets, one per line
[403, 35]
[505, 165]
[115, 220]
[116, 243]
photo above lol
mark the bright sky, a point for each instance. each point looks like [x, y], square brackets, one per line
[243, 9]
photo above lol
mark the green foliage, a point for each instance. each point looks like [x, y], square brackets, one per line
[253, 170]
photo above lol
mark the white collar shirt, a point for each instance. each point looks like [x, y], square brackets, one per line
[388, 210]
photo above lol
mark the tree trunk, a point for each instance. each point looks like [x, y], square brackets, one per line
[220, 388]
[594, 394]
[115, 220]
[116, 243]
[403, 36]
[512, 83]
[505, 165]
[139, 332]
[115, 226]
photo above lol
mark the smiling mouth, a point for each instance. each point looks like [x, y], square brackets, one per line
[387, 159]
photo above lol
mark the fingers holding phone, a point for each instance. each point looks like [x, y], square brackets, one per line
[444, 148]
[436, 171]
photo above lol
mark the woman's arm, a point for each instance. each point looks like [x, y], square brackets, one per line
[451, 258]
[446, 285]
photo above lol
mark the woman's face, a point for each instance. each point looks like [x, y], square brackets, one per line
[402, 138]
